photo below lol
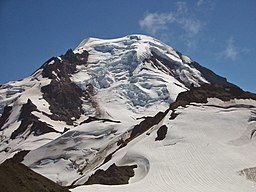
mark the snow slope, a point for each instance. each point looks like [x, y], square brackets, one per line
[204, 150]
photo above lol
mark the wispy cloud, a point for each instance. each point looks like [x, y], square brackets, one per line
[208, 3]
[230, 51]
[155, 22]
[191, 26]
[180, 22]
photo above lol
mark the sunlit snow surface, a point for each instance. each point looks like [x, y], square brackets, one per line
[121, 74]
[205, 148]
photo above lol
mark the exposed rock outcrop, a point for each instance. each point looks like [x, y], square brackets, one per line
[114, 175]
[161, 133]
[17, 177]
[30, 123]
[64, 96]
[201, 94]
[5, 116]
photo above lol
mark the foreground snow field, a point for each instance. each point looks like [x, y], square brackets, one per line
[205, 149]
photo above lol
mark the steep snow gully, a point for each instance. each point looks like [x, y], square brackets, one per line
[128, 114]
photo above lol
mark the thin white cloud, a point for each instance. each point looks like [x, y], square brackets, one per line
[206, 3]
[191, 26]
[230, 51]
[155, 22]
[180, 19]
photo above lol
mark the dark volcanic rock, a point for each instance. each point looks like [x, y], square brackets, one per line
[19, 157]
[91, 119]
[147, 123]
[201, 94]
[64, 96]
[17, 177]
[114, 175]
[5, 116]
[64, 66]
[161, 133]
[31, 122]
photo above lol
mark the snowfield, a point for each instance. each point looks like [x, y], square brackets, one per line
[204, 150]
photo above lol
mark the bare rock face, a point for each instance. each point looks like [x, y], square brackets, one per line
[63, 66]
[147, 123]
[114, 175]
[17, 177]
[201, 94]
[64, 96]
[161, 133]
[27, 119]
[5, 115]
[65, 100]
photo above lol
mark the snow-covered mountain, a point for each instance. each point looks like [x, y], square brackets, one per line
[130, 110]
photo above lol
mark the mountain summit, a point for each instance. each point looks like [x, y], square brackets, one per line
[132, 111]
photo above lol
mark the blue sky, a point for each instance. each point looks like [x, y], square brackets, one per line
[219, 34]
